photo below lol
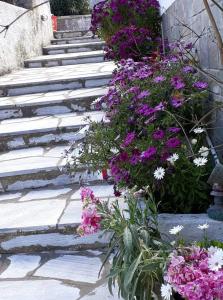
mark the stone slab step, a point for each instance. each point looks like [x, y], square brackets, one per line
[42, 104]
[65, 59]
[61, 275]
[46, 219]
[45, 130]
[72, 34]
[75, 40]
[44, 80]
[74, 48]
[40, 167]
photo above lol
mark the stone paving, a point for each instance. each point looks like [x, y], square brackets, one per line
[42, 111]
[62, 275]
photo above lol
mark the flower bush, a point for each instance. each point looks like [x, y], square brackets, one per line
[195, 273]
[152, 137]
[90, 217]
[128, 33]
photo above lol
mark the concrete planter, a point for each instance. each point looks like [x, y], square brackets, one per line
[190, 222]
[74, 23]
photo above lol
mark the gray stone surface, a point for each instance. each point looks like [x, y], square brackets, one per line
[192, 14]
[37, 289]
[53, 79]
[191, 232]
[65, 59]
[75, 268]
[76, 276]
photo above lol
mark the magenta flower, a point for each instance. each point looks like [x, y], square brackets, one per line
[129, 139]
[177, 102]
[143, 94]
[173, 143]
[159, 79]
[200, 85]
[177, 83]
[188, 69]
[174, 129]
[158, 134]
[145, 110]
[149, 153]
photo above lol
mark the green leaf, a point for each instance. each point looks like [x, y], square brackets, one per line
[131, 271]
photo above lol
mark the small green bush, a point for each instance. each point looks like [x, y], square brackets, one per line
[69, 7]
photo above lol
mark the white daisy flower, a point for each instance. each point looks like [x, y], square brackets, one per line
[166, 291]
[212, 250]
[200, 161]
[176, 229]
[194, 141]
[159, 173]
[215, 262]
[204, 151]
[198, 130]
[203, 227]
[174, 157]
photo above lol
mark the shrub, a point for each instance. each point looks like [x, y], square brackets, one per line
[152, 137]
[128, 33]
[69, 7]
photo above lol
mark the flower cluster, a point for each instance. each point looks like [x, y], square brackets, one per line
[153, 146]
[195, 273]
[128, 33]
[130, 42]
[90, 217]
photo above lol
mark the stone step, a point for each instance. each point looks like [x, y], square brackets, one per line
[40, 167]
[72, 34]
[75, 40]
[65, 59]
[45, 130]
[42, 104]
[74, 48]
[44, 80]
[61, 275]
[46, 219]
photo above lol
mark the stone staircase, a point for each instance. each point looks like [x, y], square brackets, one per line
[43, 108]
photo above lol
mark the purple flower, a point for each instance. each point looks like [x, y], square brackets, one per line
[177, 83]
[159, 107]
[145, 110]
[143, 94]
[129, 139]
[177, 102]
[173, 143]
[149, 153]
[134, 90]
[174, 129]
[159, 79]
[123, 156]
[200, 85]
[188, 69]
[135, 159]
[158, 134]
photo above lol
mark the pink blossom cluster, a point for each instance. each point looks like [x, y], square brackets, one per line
[90, 218]
[190, 274]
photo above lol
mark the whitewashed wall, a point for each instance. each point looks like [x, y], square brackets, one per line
[26, 37]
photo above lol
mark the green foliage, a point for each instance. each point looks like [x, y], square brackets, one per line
[69, 7]
[139, 253]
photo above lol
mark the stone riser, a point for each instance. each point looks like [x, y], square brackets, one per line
[57, 137]
[74, 40]
[72, 34]
[61, 239]
[73, 49]
[69, 84]
[56, 107]
[63, 62]
[48, 178]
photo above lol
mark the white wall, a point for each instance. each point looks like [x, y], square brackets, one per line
[165, 4]
[26, 37]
